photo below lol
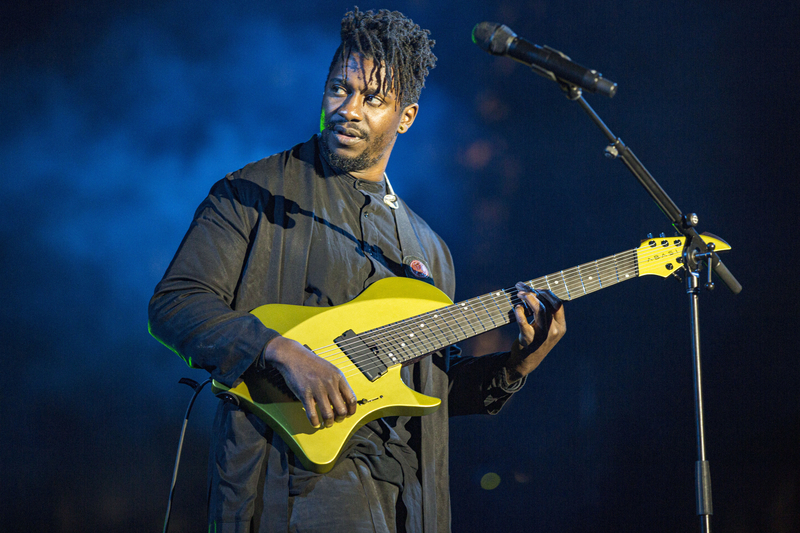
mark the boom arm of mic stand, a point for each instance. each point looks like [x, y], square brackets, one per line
[684, 224]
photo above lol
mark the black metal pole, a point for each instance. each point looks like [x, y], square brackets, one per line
[702, 467]
[694, 253]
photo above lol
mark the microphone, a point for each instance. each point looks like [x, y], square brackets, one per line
[499, 40]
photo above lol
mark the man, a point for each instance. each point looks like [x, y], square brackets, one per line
[315, 226]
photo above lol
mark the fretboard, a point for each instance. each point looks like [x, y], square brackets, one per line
[415, 337]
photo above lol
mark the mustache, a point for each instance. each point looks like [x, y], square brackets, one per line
[348, 128]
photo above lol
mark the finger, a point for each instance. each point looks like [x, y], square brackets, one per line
[559, 322]
[550, 300]
[340, 409]
[519, 314]
[323, 401]
[528, 297]
[526, 331]
[311, 410]
[534, 307]
[349, 397]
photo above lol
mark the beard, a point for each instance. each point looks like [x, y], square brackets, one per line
[372, 153]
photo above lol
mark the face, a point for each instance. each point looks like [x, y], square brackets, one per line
[359, 122]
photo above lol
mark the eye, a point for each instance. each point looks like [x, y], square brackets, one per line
[337, 89]
[374, 100]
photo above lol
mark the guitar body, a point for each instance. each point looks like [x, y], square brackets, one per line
[384, 302]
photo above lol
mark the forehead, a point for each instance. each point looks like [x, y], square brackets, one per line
[357, 68]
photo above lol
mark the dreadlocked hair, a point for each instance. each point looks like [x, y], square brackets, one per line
[392, 40]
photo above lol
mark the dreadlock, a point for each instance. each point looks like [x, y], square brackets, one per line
[390, 39]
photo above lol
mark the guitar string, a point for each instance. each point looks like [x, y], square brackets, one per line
[499, 316]
[440, 340]
[437, 340]
[477, 305]
[434, 341]
[451, 313]
[397, 330]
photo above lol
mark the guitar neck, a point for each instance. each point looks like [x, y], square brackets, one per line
[415, 337]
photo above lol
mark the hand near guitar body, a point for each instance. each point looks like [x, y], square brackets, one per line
[317, 383]
[323, 389]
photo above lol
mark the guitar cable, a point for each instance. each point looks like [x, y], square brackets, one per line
[197, 388]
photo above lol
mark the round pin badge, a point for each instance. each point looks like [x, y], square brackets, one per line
[419, 269]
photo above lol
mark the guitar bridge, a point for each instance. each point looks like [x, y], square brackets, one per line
[369, 360]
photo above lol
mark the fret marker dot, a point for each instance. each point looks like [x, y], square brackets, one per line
[627, 275]
[402, 344]
[422, 326]
[410, 334]
[555, 282]
[590, 277]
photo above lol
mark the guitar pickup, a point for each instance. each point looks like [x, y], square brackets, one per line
[368, 360]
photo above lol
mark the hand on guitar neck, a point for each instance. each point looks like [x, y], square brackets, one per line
[317, 383]
[537, 336]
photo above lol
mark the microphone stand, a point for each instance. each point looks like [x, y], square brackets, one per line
[695, 253]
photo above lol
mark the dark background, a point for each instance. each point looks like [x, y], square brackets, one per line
[118, 117]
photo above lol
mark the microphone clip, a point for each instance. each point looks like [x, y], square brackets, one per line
[573, 92]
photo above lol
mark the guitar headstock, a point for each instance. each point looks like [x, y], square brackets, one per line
[661, 256]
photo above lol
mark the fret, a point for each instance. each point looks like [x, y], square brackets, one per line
[445, 329]
[407, 346]
[387, 352]
[395, 346]
[483, 321]
[490, 311]
[616, 268]
[626, 264]
[444, 337]
[605, 272]
[452, 324]
[463, 321]
[566, 288]
[419, 331]
[540, 283]
[576, 278]
[557, 287]
[493, 307]
[589, 275]
[502, 301]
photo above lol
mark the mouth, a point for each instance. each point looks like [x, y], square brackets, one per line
[346, 136]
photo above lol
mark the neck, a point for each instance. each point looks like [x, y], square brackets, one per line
[374, 173]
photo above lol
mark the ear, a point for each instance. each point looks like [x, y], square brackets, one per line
[407, 117]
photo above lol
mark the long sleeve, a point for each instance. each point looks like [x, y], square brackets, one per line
[193, 310]
[478, 385]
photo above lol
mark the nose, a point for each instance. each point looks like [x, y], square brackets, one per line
[350, 108]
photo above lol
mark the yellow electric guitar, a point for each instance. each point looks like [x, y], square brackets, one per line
[397, 320]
